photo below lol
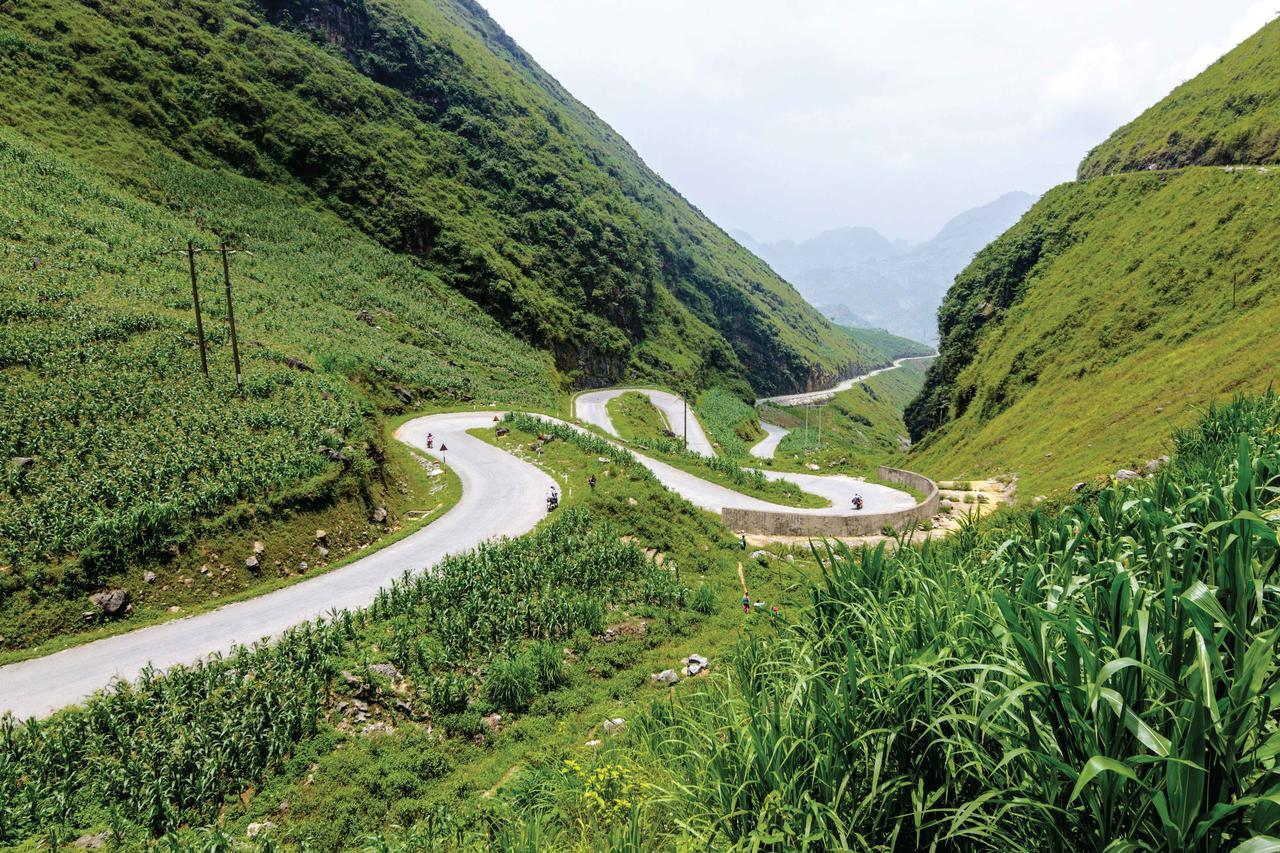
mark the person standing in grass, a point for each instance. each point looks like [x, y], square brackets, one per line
[746, 602]
[592, 482]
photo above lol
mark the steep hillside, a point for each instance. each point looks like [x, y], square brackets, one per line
[1228, 115]
[418, 216]
[421, 124]
[1110, 313]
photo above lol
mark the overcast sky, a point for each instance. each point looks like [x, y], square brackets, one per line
[788, 118]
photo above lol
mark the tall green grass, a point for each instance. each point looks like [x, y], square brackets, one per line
[1101, 679]
[165, 751]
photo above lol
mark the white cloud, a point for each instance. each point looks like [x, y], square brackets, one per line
[787, 118]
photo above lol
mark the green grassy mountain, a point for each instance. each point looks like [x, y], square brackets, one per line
[1117, 307]
[423, 126]
[419, 216]
[1228, 115]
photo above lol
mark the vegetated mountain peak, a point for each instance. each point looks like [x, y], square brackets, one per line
[1229, 114]
[423, 125]
[1117, 306]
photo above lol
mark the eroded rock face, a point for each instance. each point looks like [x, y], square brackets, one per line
[112, 603]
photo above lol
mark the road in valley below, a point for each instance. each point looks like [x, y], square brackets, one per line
[809, 397]
[501, 496]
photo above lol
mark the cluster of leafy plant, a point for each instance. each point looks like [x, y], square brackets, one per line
[422, 125]
[732, 424]
[1227, 115]
[164, 752]
[1097, 676]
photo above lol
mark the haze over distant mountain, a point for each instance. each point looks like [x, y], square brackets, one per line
[857, 276]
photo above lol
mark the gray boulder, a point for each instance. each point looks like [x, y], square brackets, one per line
[1126, 474]
[694, 664]
[386, 670]
[666, 678]
[112, 603]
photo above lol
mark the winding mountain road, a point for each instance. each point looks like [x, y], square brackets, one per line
[501, 496]
[593, 407]
[837, 489]
[767, 446]
[819, 396]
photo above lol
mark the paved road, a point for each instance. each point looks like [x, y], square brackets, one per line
[501, 496]
[592, 407]
[819, 396]
[837, 489]
[768, 445]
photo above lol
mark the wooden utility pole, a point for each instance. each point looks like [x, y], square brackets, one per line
[685, 400]
[195, 298]
[231, 317]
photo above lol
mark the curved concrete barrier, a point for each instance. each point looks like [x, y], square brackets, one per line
[773, 523]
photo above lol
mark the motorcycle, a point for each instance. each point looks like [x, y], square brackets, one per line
[553, 501]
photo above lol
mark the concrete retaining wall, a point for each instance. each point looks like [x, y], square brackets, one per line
[861, 524]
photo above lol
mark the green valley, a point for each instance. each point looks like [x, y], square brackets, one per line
[345, 502]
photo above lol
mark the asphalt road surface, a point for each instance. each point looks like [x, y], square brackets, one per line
[768, 445]
[820, 396]
[591, 407]
[501, 496]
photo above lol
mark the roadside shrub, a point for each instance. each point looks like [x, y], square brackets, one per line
[448, 693]
[704, 600]
[547, 663]
[511, 682]
[1101, 679]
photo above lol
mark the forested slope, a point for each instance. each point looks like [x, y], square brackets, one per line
[1228, 115]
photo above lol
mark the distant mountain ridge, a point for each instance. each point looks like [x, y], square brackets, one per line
[858, 273]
